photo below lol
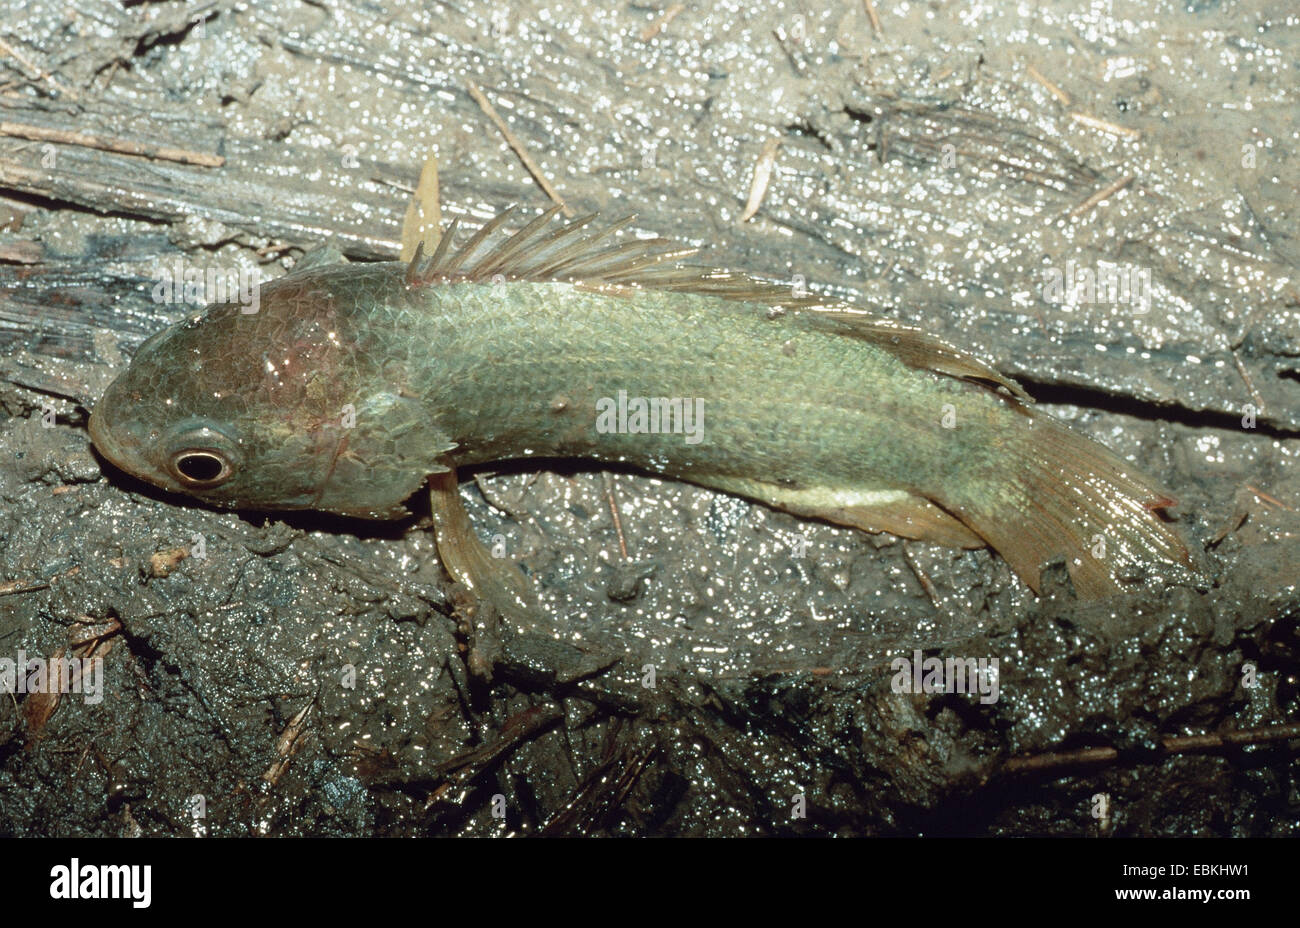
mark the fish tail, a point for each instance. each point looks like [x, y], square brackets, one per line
[1065, 495]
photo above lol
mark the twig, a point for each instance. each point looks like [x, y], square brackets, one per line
[1103, 193]
[514, 143]
[1092, 122]
[656, 27]
[1052, 88]
[795, 61]
[1174, 744]
[288, 744]
[1269, 499]
[108, 143]
[112, 73]
[871, 15]
[40, 72]
[1250, 384]
[22, 586]
[921, 576]
[395, 184]
[613, 511]
[762, 177]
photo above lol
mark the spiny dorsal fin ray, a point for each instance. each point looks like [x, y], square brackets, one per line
[538, 252]
[535, 253]
[517, 242]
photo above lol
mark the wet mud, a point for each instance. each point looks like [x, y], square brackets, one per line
[701, 665]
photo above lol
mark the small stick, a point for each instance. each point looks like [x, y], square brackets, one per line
[40, 72]
[514, 143]
[921, 576]
[762, 177]
[396, 184]
[871, 15]
[22, 586]
[613, 511]
[1250, 384]
[1269, 499]
[108, 143]
[1174, 744]
[1092, 122]
[1234, 522]
[112, 73]
[96, 634]
[1103, 193]
[288, 744]
[779, 34]
[1052, 88]
[1053, 760]
[656, 27]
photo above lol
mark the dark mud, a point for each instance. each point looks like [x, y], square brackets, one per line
[705, 666]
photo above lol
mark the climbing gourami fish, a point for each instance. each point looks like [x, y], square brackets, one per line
[354, 384]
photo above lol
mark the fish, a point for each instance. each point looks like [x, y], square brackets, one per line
[354, 386]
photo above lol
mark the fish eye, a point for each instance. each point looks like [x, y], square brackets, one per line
[199, 456]
[201, 467]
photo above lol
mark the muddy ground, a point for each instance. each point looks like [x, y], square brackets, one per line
[705, 666]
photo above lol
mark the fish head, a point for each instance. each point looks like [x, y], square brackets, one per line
[271, 410]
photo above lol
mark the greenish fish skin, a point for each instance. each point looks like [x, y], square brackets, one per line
[463, 374]
[350, 386]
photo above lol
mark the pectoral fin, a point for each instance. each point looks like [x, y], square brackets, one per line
[384, 444]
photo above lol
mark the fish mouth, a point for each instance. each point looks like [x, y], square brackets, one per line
[102, 439]
[101, 435]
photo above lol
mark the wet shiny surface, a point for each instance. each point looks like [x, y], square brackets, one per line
[861, 204]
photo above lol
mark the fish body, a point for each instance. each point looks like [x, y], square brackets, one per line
[353, 383]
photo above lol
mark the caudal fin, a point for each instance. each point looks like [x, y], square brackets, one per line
[1065, 495]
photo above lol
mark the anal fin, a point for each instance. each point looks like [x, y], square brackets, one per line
[890, 510]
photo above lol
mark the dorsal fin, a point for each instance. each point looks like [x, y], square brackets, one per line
[536, 252]
[914, 347]
[570, 253]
